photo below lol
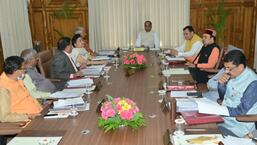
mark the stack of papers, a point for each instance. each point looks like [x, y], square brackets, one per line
[92, 71]
[175, 71]
[97, 58]
[106, 53]
[96, 66]
[62, 94]
[200, 139]
[67, 103]
[210, 107]
[170, 58]
[186, 105]
[78, 90]
[79, 82]
[35, 140]
[178, 94]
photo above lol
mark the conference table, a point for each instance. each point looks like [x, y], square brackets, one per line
[141, 87]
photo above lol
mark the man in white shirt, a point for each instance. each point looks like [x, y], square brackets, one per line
[148, 38]
[191, 47]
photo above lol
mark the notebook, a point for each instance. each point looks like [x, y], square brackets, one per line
[193, 117]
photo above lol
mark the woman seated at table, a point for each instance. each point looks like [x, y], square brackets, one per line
[80, 30]
[81, 57]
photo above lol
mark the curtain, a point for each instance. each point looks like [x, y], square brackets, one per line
[14, 27]
[255, 56]
[116, 23]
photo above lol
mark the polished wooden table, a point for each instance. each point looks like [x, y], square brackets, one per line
[141, 87]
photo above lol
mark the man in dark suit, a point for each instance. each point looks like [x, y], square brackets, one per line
[63, 67]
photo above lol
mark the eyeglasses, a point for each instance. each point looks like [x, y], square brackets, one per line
[227, 69]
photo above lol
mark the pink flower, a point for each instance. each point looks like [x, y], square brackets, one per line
[132, 61]
[116, 100]
[118, 107]
[126, 115]
[139, 62]
[104, 115]
[126, 62]
[129, 101]
[110, 112]
[136, 109]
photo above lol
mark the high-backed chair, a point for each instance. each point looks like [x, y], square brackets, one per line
[46, 60]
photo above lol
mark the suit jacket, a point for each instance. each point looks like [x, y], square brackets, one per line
[61, 68]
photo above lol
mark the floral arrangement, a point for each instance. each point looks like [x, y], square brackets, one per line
[117, 112]
[134, 61]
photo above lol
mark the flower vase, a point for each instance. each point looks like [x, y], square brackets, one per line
[130, 71]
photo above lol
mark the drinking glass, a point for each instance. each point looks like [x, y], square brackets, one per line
[88, 91]
[180, 127]
[162, 94]
[167, 76]
[116, 63]
[73, 110]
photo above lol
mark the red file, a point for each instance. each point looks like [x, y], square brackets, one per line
[180, 88]
[193, 117]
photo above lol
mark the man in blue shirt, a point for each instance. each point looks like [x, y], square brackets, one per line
[237, 90]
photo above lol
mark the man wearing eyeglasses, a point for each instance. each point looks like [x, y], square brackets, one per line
[237, 90]
[16, 104]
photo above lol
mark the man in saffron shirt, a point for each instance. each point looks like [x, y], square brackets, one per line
[16, 103]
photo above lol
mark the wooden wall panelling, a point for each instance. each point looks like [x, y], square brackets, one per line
[240, 24]
[66, 26]
[43, 23]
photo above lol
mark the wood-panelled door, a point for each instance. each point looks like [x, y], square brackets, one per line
[50, 19]
[240, 25]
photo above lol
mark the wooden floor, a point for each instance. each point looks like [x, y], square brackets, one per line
[141, 87]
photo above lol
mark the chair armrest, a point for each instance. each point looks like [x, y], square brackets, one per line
[46, 106]
[246, 118]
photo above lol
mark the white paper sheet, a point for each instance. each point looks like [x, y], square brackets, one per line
[92, 71]
[184, 139]
[62, 94]
[210, 107]
[78, 90]
[106, 52]
[176, 71]
[80, 82]
[33, 140]
[100, 58]
[175, 58]
[182, 93]
[186, 105]
[62, 103]
[96, 66]
[229, 140]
